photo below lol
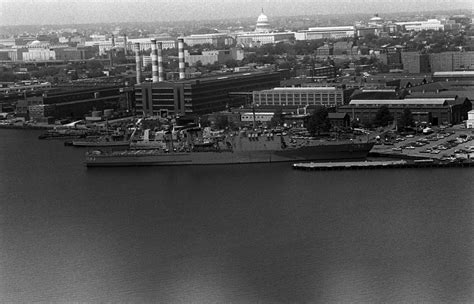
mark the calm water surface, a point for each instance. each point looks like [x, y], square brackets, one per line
[239, 234]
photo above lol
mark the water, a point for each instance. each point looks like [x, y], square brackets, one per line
[241, 234]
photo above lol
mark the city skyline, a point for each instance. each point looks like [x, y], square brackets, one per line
[43, 12]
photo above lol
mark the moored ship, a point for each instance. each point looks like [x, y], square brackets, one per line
[236, 149]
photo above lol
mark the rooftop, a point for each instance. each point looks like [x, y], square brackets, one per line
[411, 101]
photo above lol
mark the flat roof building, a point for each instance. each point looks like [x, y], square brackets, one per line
[332, 32]
[433, 110]
[298, 97]
[200, 95]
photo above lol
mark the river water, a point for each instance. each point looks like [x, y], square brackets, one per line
[235, 234]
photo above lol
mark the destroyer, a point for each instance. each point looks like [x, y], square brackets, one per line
[235, 149]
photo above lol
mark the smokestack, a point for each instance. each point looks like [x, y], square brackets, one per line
[113, 40]
[125, 46]
[181, 58]
[154, 61]
[161, 73]
[137, 62]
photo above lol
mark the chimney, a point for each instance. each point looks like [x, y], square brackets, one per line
[181, 58]
[137, 62]
[113, 40]
[154, 61]
[125, 46]
[160, 62]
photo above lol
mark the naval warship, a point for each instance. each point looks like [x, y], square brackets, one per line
[237, 148]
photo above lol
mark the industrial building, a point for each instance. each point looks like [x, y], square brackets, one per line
[298, 97]
[454, 76]
[431, 110]
[200, 95]
[75, 102]
[193, 96]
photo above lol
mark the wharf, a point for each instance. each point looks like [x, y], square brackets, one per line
[390, 164]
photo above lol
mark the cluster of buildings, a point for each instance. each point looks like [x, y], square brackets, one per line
[437, 98]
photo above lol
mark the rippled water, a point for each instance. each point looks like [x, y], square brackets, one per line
[242, 233]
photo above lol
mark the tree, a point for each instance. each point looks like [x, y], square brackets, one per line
[231, 63]
[319, 121]
[277, 119]
[383, 116]
[406, 120]
[222, 122]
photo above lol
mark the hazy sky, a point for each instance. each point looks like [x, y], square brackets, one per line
[14, 12]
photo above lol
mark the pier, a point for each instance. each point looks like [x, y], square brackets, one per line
[390, 164]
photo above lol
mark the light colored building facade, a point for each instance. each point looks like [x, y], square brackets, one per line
[255, 39]
[215, 56]
[470, 120]
[418, 26]
[305, 96]
[334, 32]
[39, 54]
[217, 40]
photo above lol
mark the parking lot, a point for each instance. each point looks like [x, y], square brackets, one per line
[448, 144]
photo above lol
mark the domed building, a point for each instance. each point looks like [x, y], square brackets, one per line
[376, 21]
[263, 26]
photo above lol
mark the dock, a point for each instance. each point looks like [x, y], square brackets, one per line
[389, 164]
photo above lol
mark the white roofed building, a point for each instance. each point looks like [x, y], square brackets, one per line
[297, 97]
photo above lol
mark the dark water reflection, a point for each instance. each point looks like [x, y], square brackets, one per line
[251, 233]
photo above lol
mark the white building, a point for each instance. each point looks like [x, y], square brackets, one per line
[214, 56]
[304, 96]
[256, 39]
[333, 32]
[216, 39]
[470, 120]
[418, 26]
[258, 116]
[37, 54]
[145, 44]
[263, 26]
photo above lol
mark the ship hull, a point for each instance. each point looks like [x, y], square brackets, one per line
[310, 153]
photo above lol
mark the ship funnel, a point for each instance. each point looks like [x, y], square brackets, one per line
[181, 58]
[137, 62]
[154, 61]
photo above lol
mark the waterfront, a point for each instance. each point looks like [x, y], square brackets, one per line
[247, 233]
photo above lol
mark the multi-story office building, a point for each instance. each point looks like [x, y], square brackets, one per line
[199, 95]
[215, 56]
[217, 40]
[415, 62]
[451, 61]
[298, 97]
